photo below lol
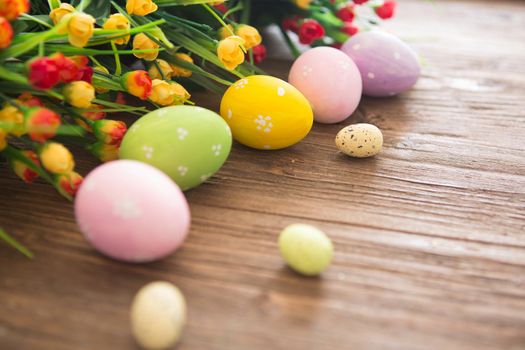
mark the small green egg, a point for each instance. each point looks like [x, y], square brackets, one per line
[306, 249]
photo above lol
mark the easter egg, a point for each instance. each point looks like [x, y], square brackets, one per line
[158, 316]
[264, 112]
[305, 249]
[359, 140]
[131, 211]
[188, 143]
[330, 80]
[388, 66]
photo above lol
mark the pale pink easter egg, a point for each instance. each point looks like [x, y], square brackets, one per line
[330, 80]
[131, 211]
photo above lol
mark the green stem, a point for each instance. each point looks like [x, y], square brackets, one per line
[14, 243]
[118, 67]
[291, 45]
[245, 17]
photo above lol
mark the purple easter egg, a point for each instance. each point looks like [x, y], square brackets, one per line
[388, 66]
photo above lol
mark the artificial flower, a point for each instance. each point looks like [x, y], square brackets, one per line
[309, 31]
[360, 2]
[56, 158]
[142, 42]
[249, 34]
[80, 29]
[6, 33]
[386, 10]
[304, 4]
[58, 13]
[41, 123]
[225, 32]
[22, 170]
[12, 120]
[105, 152]
[96, 113]
[28, 100]
[140, 7]
[181, 94]
[79, 94]
[110, 132]
[179, 71]
[259, 53]
[346, 13]
[68, 184]
[349, 28]
[165, 70]
[162, 93]
[68, 70]
[11, 9]
[3, 139]
[98, 88]
[230, 52]
[43, 73]
[118, 21]
[138, 83]
[291, 24]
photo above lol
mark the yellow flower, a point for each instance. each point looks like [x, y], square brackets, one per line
[80, 29]
[59, 13]
[3, 141]
[12, 120]
[100, 69]
[142, 42]
[181, 94]
[250, 35]
[225, 32]
[140, 7]
[165, 68]
[179, 71]
[118, 21]
[166, 94]
[79, 94]
[304, 4]
[230, 52]
[57, 159]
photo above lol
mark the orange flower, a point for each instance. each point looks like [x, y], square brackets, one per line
[250, 35]
[142, 42]
[165, 68]
[6, 33]
[22, 170]
[29, 100]
[79, 94]
[104, 151]
[230, 52]
[11, 9]
[3, 139]
[12, 120]
[110, 132]
[68, 184]
[41, 123]
[138, 83]
[179, 71]
[95, 115]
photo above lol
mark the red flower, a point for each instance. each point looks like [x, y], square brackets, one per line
[43, 73]
[386, 10]
[337, 45]
[68, 70]
[29, 100]
[346, 13]
[291, 24]
[259, 53]
[349, 28]
[222, 8]
[310, 31]
[68, 184]
[41, 123]
[360, 2]
[86, 74]
[6, 33]
[22, 170]
[95, 115]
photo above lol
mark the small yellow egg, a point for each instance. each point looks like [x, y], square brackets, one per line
[359, 140]
[158, 315]
[264, 112]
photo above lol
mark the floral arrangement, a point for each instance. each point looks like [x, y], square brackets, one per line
[66, 67]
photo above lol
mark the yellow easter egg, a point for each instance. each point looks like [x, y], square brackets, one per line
[264, 112]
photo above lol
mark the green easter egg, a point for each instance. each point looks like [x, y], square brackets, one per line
[306, 249]
[188, 143]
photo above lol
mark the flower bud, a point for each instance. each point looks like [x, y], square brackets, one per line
[225, 32]
[386, 10]
[41, 123]
[140, 7]
[85, 72]
[43, 73]
[179, 71]
[68, 184]
[304, 4]
[138, 83]
[230, 52]
[80, 29]
[79, 94]
[181, 94]
[104, 151]
[28, 100]
[96, 114]
[3, 139]
[110, 132]
[165, 68]
[68, 70]
[11, 9]
[142, 42]
[249, 34]
[161, 93]
[310, 31]
[58, 13]
[6, 33]
[259, 53]
[12, 120]
[100, 89]
[118, 21]
[22, 170]
[56, 158]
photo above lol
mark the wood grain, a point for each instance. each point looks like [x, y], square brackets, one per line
[429, 235]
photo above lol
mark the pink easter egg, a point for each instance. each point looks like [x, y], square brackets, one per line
[330, 80]
[131, 211]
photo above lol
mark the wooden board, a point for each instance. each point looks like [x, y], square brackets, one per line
[429, 235]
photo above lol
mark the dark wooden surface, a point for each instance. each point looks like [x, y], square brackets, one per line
[429, 235]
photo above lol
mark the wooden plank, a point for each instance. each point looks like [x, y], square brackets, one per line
[429, 236]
